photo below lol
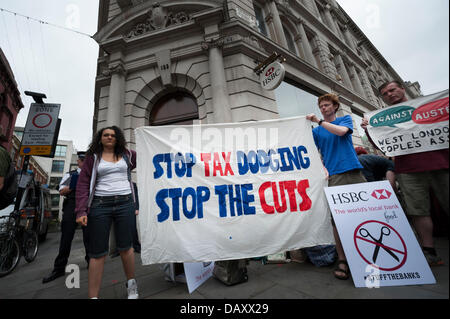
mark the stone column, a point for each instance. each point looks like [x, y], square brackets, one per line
[355, 80]
[368, 88]
[364, 54]
[311, 6]
[340, 66]
[323, 53]
[116, 95]
[220, 97]
[278, 26]
[348, 38]
[329, 19]
[303, 43]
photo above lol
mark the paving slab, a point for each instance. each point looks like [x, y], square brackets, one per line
[288, 281]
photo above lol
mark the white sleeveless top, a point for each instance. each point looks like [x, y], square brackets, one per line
[112, 179]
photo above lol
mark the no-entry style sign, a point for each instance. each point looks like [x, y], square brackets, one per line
[379, 244]
[40, 129]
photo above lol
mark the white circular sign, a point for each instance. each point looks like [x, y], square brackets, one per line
[272, 76]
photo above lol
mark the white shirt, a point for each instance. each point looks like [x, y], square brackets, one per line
[112, 179]
[65, 181]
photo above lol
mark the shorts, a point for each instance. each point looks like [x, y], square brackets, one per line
[350, 177]
[104, 211]
[416, 187]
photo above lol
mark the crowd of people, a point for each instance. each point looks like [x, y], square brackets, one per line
[100, 193]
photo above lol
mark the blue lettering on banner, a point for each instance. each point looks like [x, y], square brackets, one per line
[239, 200]
[261, 161]
[182, 164]
[233, 200]
[198, 196]
[255, 162]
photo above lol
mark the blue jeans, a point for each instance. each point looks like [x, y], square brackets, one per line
[104, 211]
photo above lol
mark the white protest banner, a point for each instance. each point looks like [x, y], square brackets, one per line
[197, 274]
[229, 191]
[379, 244]
[415, 126]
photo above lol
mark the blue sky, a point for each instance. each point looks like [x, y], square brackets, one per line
[411, 34]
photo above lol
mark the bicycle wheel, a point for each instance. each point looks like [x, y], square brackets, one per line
[9, 255]
[30, 245]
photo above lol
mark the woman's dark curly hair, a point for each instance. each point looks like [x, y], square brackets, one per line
[96, 146]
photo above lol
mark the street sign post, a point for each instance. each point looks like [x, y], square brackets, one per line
[40, 136]
[40, 130]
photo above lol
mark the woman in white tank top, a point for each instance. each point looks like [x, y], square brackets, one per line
[106, 196]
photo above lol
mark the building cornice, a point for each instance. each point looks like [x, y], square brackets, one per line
[268, 46]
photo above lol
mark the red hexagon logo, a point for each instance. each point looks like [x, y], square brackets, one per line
[381, 194]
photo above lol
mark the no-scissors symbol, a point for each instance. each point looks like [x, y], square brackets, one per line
[380, 245]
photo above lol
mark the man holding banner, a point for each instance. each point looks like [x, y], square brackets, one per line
[421, 163]
[333, 137]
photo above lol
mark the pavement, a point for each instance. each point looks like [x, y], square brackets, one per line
[266, 282]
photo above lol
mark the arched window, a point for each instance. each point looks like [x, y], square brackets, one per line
[175, 108]
[260, 19]
[290, 41]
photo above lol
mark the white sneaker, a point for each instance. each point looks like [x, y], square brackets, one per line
[132, 289]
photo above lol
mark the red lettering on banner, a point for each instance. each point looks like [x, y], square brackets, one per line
[290, 187]
[283, 207]
[262, 198]
[306, 201]
[216, 165]
[217, 168]
[227, 163]
[279, 192]
[205, 158]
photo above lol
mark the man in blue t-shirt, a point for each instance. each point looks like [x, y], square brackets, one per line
[333, 138]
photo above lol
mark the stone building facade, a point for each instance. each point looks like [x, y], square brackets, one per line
[10, 101]
[176, 61]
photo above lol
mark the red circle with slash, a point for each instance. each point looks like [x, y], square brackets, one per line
[404, 252]
[42, 120]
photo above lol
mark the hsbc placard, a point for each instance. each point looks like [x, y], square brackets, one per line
[40, 129]
[379, 244]
[272, 76]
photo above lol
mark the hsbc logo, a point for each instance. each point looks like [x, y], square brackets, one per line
[381, 194]
[350, 197]
[272, 76]
[270, 71]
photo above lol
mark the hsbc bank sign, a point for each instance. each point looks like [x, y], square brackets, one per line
[362, 196]
[272, 76]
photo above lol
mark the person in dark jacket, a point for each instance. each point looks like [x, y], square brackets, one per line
[375, 167]
[67, 188]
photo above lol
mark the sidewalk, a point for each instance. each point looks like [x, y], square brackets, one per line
[271, 281]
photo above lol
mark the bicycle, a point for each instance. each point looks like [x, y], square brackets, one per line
[18, 237]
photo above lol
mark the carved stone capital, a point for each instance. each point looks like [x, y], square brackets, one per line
[213, 43]
[115, 68]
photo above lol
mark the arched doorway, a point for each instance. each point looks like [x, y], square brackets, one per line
[177, 108]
